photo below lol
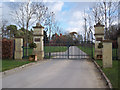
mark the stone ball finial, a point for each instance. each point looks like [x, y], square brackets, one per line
[98, 25]
[38, 24]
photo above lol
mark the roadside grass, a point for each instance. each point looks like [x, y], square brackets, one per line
[111, 73]
[10, 64]
[55, 49]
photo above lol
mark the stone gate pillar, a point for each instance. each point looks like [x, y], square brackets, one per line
[107, 53]
[99, 37]
[38, 39]
[118, 40]
[18, 48]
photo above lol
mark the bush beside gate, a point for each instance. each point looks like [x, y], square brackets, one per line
[7, 49]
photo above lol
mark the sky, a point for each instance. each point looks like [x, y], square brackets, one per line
[70, 15]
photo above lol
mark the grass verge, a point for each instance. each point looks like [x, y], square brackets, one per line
[10, 64]
[111, 73]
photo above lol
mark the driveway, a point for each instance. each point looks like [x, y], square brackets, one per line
[56, 74]
[74, 53]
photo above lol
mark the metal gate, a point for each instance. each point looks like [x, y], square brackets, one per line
[27, 51]
[69, 50]
[115, 50]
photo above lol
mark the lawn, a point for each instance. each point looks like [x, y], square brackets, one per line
[10, 64]
[88, 50]
[55, 49]
[111, 73]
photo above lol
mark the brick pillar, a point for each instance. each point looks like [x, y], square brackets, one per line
[118, 40]
[18, 48]
[107, 53]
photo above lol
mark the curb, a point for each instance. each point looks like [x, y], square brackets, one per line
[103, 74]
[19, 68]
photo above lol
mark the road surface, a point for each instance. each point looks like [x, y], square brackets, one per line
[56, 74]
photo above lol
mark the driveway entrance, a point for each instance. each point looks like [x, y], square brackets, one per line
[56, 74]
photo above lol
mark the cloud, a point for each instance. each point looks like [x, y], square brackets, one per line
[55, 6]
[76, 22]
[11, 0]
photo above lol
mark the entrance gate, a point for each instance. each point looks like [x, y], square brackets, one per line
[69, 50]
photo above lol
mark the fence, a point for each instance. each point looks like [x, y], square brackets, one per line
[114, 50]
[26, 52]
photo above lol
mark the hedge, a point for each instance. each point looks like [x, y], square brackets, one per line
[7, 49]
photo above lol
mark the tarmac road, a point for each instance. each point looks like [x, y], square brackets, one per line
[56, 74]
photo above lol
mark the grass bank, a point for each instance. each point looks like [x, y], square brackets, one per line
[10, 64]
[111, 73]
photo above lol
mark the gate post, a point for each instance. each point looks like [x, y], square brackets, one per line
[107, 53]
[38, 39]
[99, 37]
[118, 40]
[18, 48]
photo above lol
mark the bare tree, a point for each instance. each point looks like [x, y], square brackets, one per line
[85, 26]
[27, 14]
[90, 29]
[49, 20]
[95, 13]
[4, 33]
[106, 13]
[56, 28]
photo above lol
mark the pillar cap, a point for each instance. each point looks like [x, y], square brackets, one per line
[38, 25]
[99, 34]
[98, 25]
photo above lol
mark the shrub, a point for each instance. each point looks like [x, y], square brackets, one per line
[100, 45]
[7, 49]
[32, 45]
